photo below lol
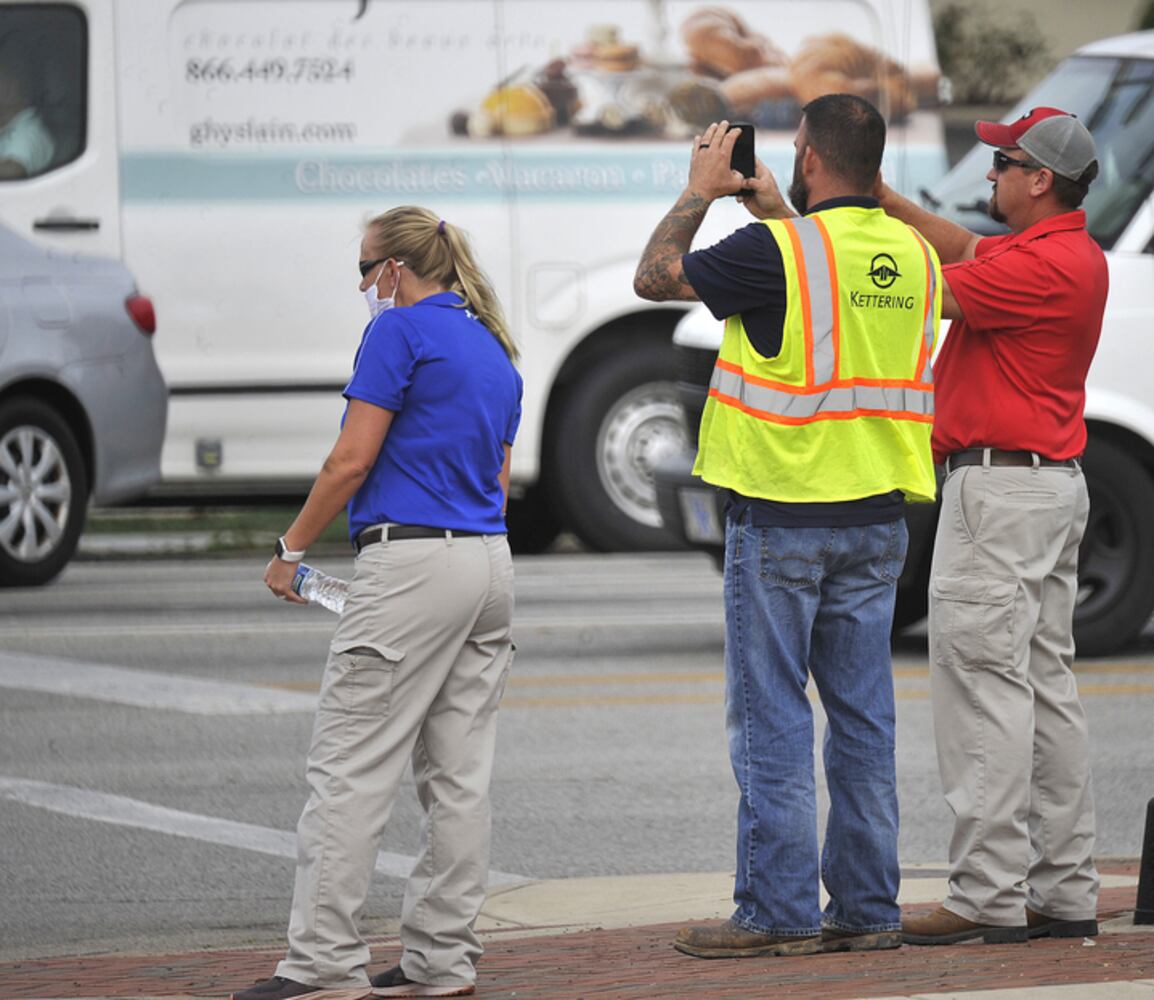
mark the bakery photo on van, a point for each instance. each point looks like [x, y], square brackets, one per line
[228, 153]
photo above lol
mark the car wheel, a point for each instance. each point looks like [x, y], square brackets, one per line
[1116, 560]
[531, 522]
[912, 601]
[620, 419]
[43, 493]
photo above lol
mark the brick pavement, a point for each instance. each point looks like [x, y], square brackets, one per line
[639, 962]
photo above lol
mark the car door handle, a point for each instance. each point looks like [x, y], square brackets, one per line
[65, 224]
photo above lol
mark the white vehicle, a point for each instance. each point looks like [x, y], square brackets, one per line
[1110, 86]
[228, 151]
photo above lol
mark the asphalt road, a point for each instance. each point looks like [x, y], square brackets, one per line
[154, 718]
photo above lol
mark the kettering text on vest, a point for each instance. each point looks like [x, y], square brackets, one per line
[872, 300]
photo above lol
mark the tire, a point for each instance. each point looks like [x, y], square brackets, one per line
[618, 420]
[43, 493]
[1116, 559]
[532, 523]
[912, 602]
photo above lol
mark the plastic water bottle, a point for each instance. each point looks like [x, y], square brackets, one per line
[320, 588]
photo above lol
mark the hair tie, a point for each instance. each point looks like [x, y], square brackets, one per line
[441, 228]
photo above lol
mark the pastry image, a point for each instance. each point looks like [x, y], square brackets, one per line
[746, 90]
[720, 43]
[835, 63]
[696, 102]
[553, 81]
[604, 51]
[517, 109]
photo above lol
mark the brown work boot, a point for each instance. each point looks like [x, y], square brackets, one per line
[1039, 925]
[835, 939]
[727, 940]
[946, 927]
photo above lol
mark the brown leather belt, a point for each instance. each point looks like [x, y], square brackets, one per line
[1025, 459]
[401, 532]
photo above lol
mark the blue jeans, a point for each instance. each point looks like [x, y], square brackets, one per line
[801, 601]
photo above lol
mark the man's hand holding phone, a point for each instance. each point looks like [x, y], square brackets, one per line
[762, 197]
[712, 171]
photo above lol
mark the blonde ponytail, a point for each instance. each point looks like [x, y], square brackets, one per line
[439, 252]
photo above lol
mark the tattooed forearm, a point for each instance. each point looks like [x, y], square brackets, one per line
[659, 276]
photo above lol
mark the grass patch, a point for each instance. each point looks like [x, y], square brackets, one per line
[229, 528]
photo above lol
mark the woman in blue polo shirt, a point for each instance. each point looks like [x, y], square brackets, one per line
[419, 660]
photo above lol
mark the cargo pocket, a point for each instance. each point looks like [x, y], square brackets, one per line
[974, 620]
[359, 677]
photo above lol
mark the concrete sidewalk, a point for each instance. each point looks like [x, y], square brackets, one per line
[610, 937]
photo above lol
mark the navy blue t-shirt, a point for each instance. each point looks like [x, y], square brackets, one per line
[744, 273]
[457, 402]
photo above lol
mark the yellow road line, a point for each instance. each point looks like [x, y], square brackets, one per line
[553, 680]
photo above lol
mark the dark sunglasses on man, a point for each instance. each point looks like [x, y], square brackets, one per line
[1002, 163]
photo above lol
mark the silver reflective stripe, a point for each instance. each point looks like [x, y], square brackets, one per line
[927, 374]
[825, 402]
[816, 263]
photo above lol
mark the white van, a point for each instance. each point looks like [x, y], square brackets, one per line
[229, 152]
[1110, 86]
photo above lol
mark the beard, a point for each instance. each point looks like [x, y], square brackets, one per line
[798, 194]
[992, 209]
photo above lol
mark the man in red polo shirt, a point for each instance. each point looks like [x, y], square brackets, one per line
[1011, 735]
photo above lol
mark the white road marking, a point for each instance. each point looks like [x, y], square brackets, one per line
[147, 689]
[699, 617]
[102, 807]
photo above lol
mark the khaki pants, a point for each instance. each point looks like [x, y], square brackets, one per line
[415, 673]
[1012, 743]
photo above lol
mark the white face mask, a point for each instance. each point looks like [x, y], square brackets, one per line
[377, 305]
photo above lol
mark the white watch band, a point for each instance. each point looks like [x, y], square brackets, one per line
[285, 554]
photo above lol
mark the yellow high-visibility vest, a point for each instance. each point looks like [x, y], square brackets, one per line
[845, 410]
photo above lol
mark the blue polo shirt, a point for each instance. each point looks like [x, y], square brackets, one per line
[457, 402]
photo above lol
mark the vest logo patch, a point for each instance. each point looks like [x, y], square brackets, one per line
[883, 270]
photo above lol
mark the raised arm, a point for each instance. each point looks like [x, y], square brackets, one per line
[953, 243]
[660, 276]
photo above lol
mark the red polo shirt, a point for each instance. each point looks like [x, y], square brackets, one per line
[1012, 372]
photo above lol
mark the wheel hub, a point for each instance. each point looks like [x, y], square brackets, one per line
[644, 427]
[35, 493]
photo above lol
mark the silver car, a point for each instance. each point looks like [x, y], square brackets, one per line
[83, 405]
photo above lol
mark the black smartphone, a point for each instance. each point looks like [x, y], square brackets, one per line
[742, 158]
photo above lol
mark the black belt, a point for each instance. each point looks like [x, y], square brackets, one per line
[401, 532]
[1026, 459]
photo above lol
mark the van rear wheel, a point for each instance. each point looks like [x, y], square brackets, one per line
[620, 418]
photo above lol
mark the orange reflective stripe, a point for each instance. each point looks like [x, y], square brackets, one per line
[924, 366]
[762, 398]
[835, 323]
[803, 285]
[777, 418]
[802, 390]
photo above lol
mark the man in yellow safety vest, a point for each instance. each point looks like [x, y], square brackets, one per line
[818, 426]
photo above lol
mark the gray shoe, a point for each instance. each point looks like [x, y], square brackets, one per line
[394, 983]
[276, 988]
[727, 940]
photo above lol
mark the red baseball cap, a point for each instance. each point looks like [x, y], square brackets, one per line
[1053, 137]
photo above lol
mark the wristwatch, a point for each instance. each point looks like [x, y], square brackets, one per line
[284, 553]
